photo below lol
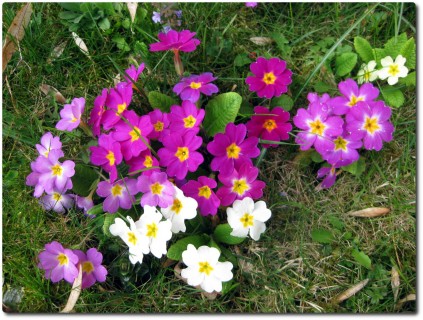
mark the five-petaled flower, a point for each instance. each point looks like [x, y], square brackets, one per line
[367, 72]
[157, 190]
[393, 70]
[189, 88]
[202, 191]
[92, 270]
[176, 41]
[71, 115]
[185, 118]
[119, 194]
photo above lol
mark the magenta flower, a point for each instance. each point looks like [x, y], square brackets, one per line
[59, 263]
[133, 73]
[133, 135]
[157, 189]
[351, 95]
[118, 195]
[177, 41]
[71, 115]
[107, 155]
[324, 101]
[251, 4]
[48, 143]
[179, 154]
[160, 122]
[189, 88]
[143, 161]
[329, 174]
[117, 102]
[317, 128]
[201, 190]
[240, 184]
[370, 122]
[92, 270]
[57, 201]
[232, 148]
[271, 77]
[344, 151]
[185, 118]
[97, 112]
[269, 125]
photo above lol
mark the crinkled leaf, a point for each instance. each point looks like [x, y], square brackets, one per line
[222, 233]
[96, 210]
[362, 258]
[409, 80]
[393, 97]
[109, 219]
[104, 24]
[394, 45]
[345, 63]
[241, 60]
[160, 101]
[283, 101]
[408, 51]
[363, 48]
[322, 236]
[176, 249]
[356, 168]
[322, 87]
[83, 179]
[379, 54]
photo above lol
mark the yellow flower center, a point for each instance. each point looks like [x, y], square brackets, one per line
[135, 134]
[152, 230]
[189, 121]
[158, 126]
[269, 78]
[393, 70]
[354, 100]
[74, 120]
[121, 108]
[111, 157]
[132, 238]
[233, 151]
[340, 143]
[63, 259]
[367, 76]
[46, 153]
[317, 127]
[148, 162]
[205, 267]
[247, 220]
[57, 196]
[176, 206]
[204, 191]
[195, 85]
[117, 190]
[156, 188]
[240, 186]
[270, 125]
[182, 154]
[371, 125]
[57, 170]
[87, 267]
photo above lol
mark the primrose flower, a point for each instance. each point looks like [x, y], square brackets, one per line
[370, 122]
[179, 154]
[71, 115]
[328, 174]
[154, 231]
[324, 101]
[157, 190]
[118, 195]
[85, 203]
[183, 208]
[367, 72]
[132, 134]
[352, 94]
[117, 102]
[92, 270]
[344, 150]
[189, 88]
[176, 41]
[393, 69]
[160, 122]
[271, 77]
[156, 17]
[251, 4]
[269, 125]
[107, 155]
[232, 148]
[57, 202]
[59, 263]
[97, 112]
[143, 161]
[246, 217]
[185, 118]
[201, 190]
[48, 143]
[204, 268]
[133, 74]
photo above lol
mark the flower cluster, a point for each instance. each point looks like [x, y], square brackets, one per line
[391, 70]
[167, 17]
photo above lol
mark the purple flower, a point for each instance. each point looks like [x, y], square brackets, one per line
[329, 174]
[251, 4]
[48, 143]
[271, 77]
[189, 88]
[160, 122]
[352, 94]
[107, 155]
[157, 189]
[344, 151]
[185, 118]
[118, 195]
[201, 190]
[85, 203]
[179, 154]
[133, 73]
[178, 14]
[117, 102]
[177, 41]
[71, 115]
[57, 202]
[156, 17]
[144, 161]
[324, 101]
[240, 184]
[370, 122]
[166, 28]
[97, 112]
[92, 270]
[58, 263]
[232, 148]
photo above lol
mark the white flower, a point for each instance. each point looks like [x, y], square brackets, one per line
[393, 70]
[132, 237]
[181, 209]
[204, 268]
[245, 217]
[367, 72]
[154, 231]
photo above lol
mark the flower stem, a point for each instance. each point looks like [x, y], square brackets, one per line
[179, 67]
[85, 128]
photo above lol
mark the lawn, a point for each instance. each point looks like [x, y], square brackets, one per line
[313, 249]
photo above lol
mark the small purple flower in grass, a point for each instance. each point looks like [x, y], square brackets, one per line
[92, 270]
[117, 102]
[189, 88]
[201, 190]
[57, 202]
[344, 150]
[240, 184]
[176, 41]
[71, 115]
[118, 195]
[107, 155]
[370, 122]
[351, 95]
[59, 263]
[271, 77]
[160, 122]
[328, 174]
[133, 73]
[157, 190]
[269, 125]
[179, 154]
[144, 161]
[97, 112]
[251, 4]
[85, 203]
[133, 135]
[185, 117]
[156, 17]
[48, 143]
[232, 148]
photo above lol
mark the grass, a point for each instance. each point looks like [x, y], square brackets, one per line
[286, 271]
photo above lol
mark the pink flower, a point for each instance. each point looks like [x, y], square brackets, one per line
[133, 73]
[329, 174]
[157, 189]
[251, 4]
[92, 270]
[201, 190]
[97, 112]
[117, 102]
[344, 151]
[189, 88]
[107, 155]
[118, 195]
[185, 118]
[49, 143]
[71, 115]
[57, 201]
[271, 77]
[143, 161]
[160, 122]
[176, 41]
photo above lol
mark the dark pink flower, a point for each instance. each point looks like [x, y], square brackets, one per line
[143, 161]
[117, 102]
[329, 176]
[201, 190]
[92, 270]
[118, 195]
[160, 122]
[185, 118]
[97, 112]
[344, 151]
[157, 190]
[133, 73]
[189, 88]
[107, 155]
[177, 41]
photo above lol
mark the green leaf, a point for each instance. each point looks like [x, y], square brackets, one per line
[393, 96]
[222, 233]
[96, 210]
[229, 286]
[408, 51]
[345, 63]
[379, 54]
[83, 179]
[283, 101]
[409, 80]
[316, 157]
[109, 219]
[220, 111]
[322, 236]
[176, 249]
[68, 15]
[364, 49]
[362, 258]
[106, 6]
[121, 43]
[104, 24]
[160, 101]
[322, 87]
[356, 168]
[227, 255]
[336, 223]
[72, 6]
[394, 45]
[241, 60]
[213, 244]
